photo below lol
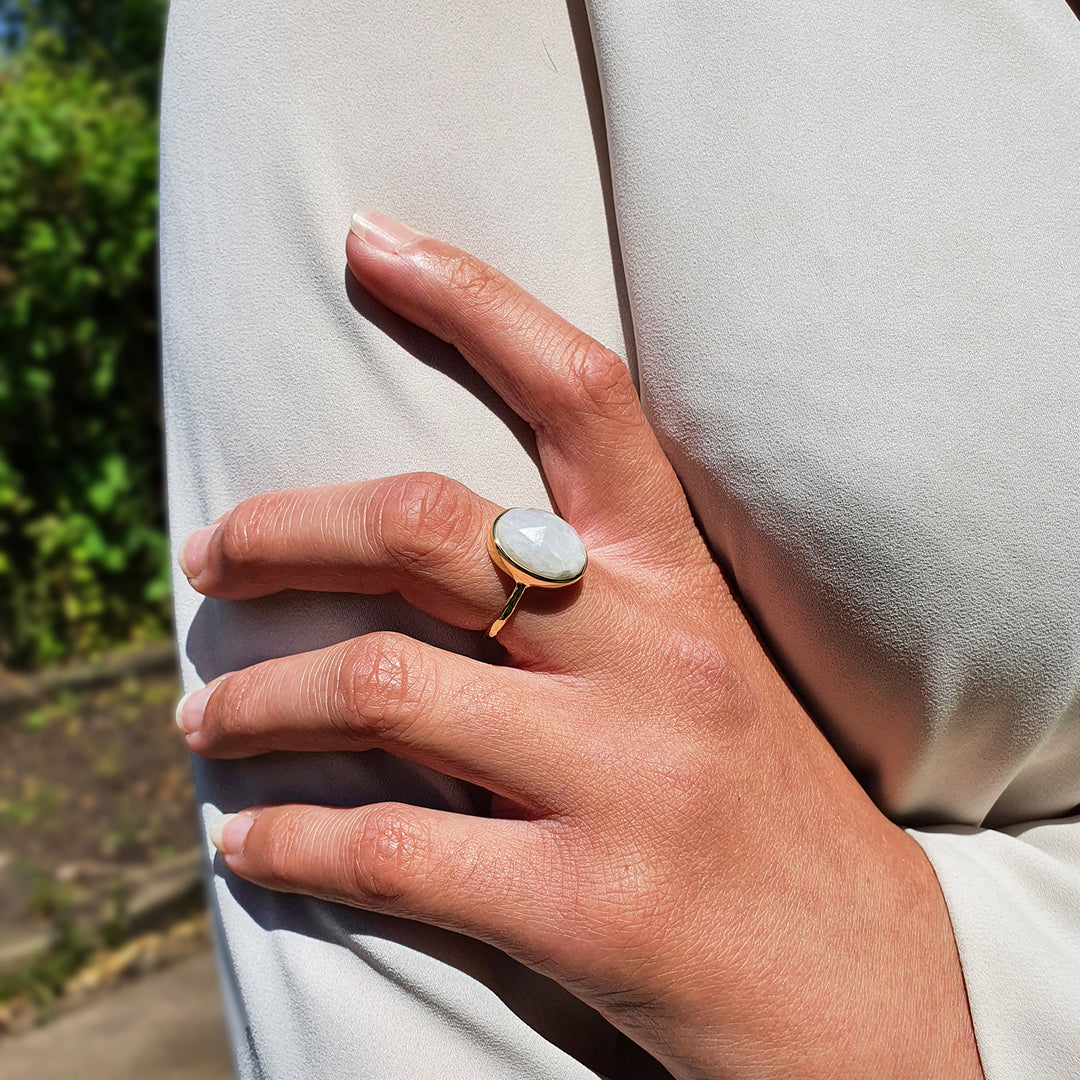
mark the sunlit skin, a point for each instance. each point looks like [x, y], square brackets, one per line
[673, 839]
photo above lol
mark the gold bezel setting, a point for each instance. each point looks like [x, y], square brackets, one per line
[521, 577]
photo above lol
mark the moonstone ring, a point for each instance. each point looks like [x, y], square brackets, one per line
[535, 548]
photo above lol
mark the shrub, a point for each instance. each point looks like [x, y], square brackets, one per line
[83, 557]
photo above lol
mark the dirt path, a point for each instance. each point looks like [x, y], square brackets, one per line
[165, 1026]
[93, 783]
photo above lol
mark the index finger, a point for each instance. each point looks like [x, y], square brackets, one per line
[606, 470]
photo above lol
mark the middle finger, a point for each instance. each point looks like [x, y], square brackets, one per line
[498, 727]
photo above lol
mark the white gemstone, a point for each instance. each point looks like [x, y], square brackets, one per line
[541, 544]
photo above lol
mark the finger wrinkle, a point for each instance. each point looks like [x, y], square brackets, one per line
[337, 521]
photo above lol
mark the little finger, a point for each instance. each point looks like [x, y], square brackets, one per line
[489, 878]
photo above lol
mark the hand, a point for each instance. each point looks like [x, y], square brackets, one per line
[673, 839]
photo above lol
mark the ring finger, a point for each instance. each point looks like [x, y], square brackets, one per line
[421, 535]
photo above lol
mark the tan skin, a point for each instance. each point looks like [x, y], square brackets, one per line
[674, 840]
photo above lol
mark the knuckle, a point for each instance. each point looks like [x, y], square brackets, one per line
[389, 851]
[424, 517]
[482, 288]
[596, 377]
[244, 535]
[382, 686]
[715, 686]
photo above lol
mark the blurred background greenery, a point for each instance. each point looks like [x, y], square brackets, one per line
[83, 555]
[100, 860]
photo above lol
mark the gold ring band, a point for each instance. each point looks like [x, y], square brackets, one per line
[534, 548]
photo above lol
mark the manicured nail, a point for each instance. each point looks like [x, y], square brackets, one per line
[192, 554]
[228, 832]
[380, 230]
[190, 710]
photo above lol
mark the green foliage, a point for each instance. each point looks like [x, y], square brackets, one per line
[83, 558]
[118, 39]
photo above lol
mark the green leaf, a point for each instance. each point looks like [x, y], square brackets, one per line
[83, 557]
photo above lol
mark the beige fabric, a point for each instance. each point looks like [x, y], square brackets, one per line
[852, 253]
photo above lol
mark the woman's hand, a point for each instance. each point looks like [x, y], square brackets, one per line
[673, 839]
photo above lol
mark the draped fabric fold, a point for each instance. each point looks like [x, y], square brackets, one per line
[851, 239]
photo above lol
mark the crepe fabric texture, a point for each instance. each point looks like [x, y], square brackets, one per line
[840, 246]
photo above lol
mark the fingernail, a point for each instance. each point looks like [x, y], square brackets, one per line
[191, 708]
[228, 832]
[380, 230]
[192, 554]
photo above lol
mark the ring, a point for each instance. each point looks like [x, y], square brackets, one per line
[535, 548]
